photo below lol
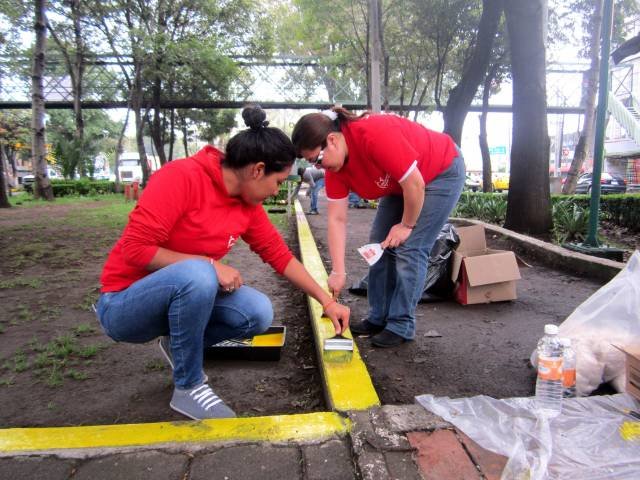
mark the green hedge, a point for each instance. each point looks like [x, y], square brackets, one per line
[63, 188]
[622, 210]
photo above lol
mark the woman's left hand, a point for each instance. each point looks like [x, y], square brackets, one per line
[397, 236]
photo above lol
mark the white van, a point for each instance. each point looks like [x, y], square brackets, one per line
[130, 168]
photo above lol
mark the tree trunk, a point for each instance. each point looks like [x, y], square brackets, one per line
[136, 106]
[487, 185]
[529, 201]
[78, 73]
[461, 96]
[172, 134]
[42, 187]
[185, 134]
[590, 92]
[75, 69]
[156, 126]
[116, 162]
[4, 197]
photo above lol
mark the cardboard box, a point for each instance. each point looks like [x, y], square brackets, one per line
[632, 370]
[482, 275]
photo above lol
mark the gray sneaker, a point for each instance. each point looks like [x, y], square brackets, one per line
[200, 403]
[165, 347]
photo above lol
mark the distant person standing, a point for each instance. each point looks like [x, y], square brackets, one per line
[314, 176]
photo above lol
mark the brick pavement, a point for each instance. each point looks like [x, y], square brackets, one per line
[389, 442]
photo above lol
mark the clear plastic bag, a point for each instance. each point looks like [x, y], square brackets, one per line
[591, 439]
[611, 316]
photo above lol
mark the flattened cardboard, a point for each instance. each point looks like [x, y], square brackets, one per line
[482, 274]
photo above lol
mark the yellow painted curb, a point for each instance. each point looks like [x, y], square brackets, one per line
[280, 428]
[348, 385]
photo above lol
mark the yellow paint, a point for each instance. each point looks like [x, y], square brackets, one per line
[312, 426]
[347, 382]
[268, 340]
[630, 431]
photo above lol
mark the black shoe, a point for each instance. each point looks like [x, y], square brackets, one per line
[387, 338]
[365, 327]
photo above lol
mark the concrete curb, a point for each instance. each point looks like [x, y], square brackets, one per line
[346, 381]
[552, 255]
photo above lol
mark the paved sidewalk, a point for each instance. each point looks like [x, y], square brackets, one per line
[390, 442]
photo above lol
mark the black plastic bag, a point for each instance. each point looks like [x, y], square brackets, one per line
[438, 285]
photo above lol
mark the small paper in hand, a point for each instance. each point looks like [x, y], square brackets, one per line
[371, 252]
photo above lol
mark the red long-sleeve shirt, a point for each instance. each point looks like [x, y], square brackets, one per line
[186, 208]
[383, 150]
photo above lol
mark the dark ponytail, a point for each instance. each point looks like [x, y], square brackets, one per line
[259, 143]
[312, 129]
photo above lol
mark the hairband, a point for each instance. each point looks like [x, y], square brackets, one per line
[333, 116]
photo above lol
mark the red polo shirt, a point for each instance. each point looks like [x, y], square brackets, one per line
[186, 208]
[383, 150]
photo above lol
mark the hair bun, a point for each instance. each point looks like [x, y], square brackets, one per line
[254, 117]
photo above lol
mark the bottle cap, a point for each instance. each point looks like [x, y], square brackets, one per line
[551, 329]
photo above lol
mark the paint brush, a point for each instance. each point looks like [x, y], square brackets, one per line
[338, 342]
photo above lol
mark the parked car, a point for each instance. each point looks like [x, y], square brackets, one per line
[472, 182]
[500, 182]
[29, 180]
[609, 183]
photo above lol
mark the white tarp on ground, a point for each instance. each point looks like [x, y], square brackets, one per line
[591, 439]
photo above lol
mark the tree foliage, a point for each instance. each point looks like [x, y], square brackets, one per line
[78, 157]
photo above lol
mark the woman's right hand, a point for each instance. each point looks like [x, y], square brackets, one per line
[228, 277]
[336, 282]
[339, 316]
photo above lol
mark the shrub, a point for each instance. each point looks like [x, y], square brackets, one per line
[84, 186]
[570, 221]
[621, 210]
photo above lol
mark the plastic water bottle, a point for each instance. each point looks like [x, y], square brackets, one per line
[549, 382]
[568, 369]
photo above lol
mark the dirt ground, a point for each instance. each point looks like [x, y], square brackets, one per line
[482, 350]
[57, 368]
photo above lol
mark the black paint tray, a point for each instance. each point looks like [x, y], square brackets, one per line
[266, 346]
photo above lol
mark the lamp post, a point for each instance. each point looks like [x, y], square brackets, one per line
[591, 246]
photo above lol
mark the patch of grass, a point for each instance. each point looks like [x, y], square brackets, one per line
[88, 351]
[112, 213]
[63, 346]
[20, 362]
[26, 254]
[155, 365]
[7, 382]
[25, 314]
[279, 220]
[50, 312]
[20, 282]
[56, 360]
[90, 298]
[75, 374]
[84, 329]
[54, 377]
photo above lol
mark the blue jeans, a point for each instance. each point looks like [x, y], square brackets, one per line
[184, 301]
[354, 200]
[396, 281]
[314, 194]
